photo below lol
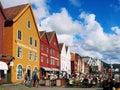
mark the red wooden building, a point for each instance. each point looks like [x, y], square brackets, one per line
[50, 56]
[76, 64]
[2, 20]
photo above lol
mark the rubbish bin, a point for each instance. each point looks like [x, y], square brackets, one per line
[58, 82]
[47, 82]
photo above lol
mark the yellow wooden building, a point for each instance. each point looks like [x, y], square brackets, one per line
[22, 41]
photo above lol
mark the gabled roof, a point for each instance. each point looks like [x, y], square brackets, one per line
[41, 33]
[50, 35]
[60, 46]
[2, 11]
[66, 47]
[12, 12]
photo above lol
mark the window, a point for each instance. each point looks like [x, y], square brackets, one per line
[19, 52]
[19, 35]
[52, 62]
[47, 50]
[30, 40]
[51, 51]
[42, 47]
[41, 58]
[30, 55]
[28, 24]
[35, 57]
[47, 61]
[35, 43]
[19, 72]
[57, 63]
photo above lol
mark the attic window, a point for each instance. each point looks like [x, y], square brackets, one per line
[28, 24]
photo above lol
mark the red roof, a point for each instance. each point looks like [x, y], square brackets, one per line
[41, 33]
[12, 12]
[50, 35]
[2, 11]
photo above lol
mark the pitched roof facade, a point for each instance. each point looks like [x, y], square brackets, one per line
[60, 46]
[2, 11]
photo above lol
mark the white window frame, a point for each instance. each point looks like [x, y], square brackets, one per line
[42, 58]
[30, 55]
[19, 72]
[19, 52]
[35, 57]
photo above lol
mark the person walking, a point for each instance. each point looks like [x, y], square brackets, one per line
[35, 80]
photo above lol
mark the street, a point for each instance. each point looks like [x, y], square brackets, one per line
[22, 87]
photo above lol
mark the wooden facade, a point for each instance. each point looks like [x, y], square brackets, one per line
[50, 56]
[22, 41]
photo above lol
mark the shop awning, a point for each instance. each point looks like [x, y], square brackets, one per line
[46, 69]
[3, 66]
[50, 69]
[55, 69]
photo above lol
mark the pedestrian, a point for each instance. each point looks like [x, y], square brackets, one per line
[35, 80]
[25, 78]
[106, 84]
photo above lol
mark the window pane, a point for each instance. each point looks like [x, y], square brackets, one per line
[28, 24]
[30, 55]
[35, 57]
[19, 52]
[35, 43]
[41, 58]
[30, 40]
[19, 35]
[19, 72]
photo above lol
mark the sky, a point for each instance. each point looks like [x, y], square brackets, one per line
[88, 27]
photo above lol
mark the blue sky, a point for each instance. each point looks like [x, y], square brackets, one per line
[88, 27]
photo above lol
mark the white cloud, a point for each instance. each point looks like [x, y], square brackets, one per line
[61, 22]
[116, 29]
[96, 42]
[66, 38]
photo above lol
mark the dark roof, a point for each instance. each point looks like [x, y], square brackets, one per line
[41, 33]
[12, 12]
[50, 35]
[60, 46]
[2, 11]
[66, 47]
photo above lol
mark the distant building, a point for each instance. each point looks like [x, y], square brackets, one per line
[95, 64]
[65, 62]
[76, 64]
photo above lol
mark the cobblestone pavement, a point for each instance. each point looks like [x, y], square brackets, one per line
[22, 87]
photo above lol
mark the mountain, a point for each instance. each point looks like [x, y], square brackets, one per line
[106, 65]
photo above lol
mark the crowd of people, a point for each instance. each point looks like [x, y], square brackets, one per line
[83, 80]
[104, 81]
